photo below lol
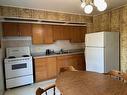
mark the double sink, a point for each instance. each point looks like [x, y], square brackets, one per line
[63, 52]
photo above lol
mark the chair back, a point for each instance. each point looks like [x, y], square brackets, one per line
[124, 77]
[68, 68]
[114, 73]
[41, 91]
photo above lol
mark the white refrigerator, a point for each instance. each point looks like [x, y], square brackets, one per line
[102, 51]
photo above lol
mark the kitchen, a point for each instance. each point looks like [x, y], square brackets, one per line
[16, 23]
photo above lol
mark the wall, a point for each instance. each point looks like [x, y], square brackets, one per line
[24, 13]
[1, 68]
[60, 44]
[40, 49]
[115, 21]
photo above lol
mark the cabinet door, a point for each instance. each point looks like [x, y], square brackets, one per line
[71, 61]
[10, 29]
[57, 32]
[76, 34]
[77, 61]
[37, 34]
[67, 32]
[48, 34]
[83, 30]
[40, 69]
[61, 62]
[25, 29]
[51, 67]
[80, 62]
[62, 32]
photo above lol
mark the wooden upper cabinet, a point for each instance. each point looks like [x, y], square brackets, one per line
[47, 34]
[37, 34]
[25, 29]
[75, 34]
[115, 20]
[10, 29]
[42, 34]
[66, 32]
[58, 33]
[16, 29]
[78, 34]
[83, 30]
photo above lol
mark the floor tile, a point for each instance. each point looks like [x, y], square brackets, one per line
[31, 89]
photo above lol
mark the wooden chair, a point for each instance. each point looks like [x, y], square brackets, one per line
[114, 73]
[41, 91]
[124, 77]
[68, 68]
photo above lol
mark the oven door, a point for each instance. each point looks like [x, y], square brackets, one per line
[18, 67]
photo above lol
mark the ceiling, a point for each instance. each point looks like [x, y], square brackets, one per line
[69, 6]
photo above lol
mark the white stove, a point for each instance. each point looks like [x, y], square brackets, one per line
[18, 67]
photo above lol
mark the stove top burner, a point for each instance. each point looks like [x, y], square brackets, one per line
[25, 56]
[11, 57]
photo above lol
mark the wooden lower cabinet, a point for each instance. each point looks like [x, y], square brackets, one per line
[45, 68]
[49, 67]
[77, 61]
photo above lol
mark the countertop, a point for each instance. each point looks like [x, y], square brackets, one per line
[54, 55]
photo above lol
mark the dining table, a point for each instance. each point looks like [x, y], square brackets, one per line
[89, 83]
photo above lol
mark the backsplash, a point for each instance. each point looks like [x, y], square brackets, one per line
[26, 41]
[61, 44]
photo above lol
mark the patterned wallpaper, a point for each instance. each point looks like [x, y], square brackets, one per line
[118, 22]
[123, 47]
[42, 14]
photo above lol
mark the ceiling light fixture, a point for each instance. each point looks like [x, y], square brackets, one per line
[88, 5]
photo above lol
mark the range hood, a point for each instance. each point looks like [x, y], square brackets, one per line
[40, 21]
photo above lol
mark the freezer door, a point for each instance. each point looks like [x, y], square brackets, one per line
[95, 39]
[94, 59]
